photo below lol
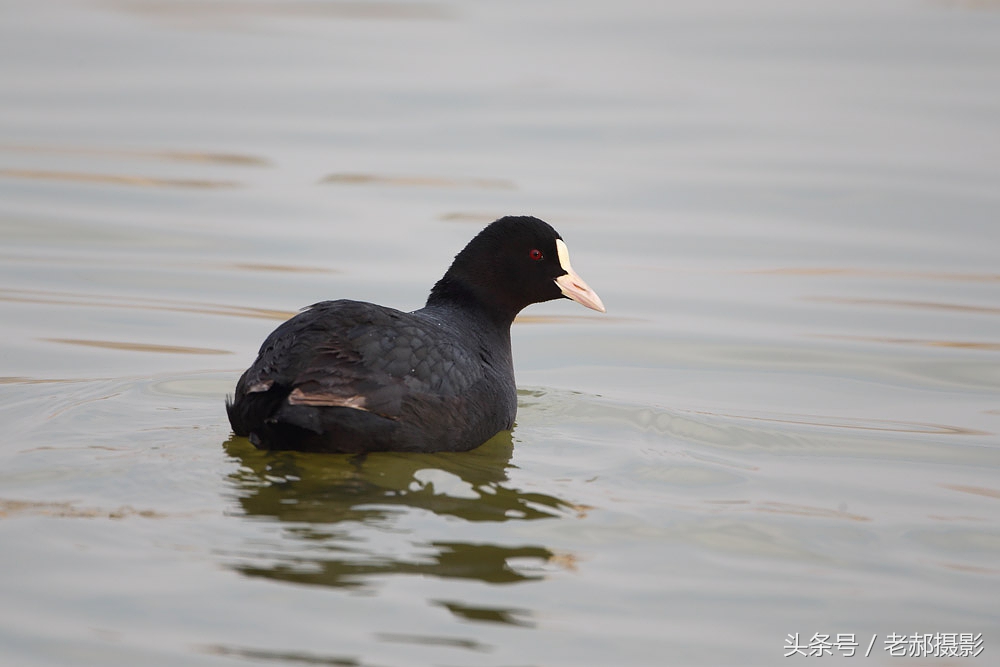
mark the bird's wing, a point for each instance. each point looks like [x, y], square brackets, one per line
[358, 355]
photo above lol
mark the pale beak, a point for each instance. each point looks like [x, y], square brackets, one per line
[572, 285]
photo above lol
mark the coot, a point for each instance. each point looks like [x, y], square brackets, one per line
[348, 376]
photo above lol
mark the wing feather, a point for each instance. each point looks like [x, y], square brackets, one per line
[358, 355]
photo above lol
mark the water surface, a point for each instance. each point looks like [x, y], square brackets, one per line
[786, 423]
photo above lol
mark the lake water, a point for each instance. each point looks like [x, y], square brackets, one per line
[785, 427]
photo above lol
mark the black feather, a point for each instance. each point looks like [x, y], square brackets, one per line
[348, 376]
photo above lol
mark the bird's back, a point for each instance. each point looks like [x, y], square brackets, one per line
[348, 376]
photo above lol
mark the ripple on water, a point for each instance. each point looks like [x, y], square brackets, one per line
[197, 157]
[740, 434]
[131, 180]
[107, 301]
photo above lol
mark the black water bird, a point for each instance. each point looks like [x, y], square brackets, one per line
[348, 376]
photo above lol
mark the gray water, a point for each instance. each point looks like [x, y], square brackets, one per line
[785, 425]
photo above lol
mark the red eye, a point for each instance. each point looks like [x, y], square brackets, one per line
[535, 254]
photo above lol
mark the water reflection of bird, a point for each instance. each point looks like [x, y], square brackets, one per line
[321, 500]
[347, 376]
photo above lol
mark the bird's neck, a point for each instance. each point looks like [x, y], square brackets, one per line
[454, 295]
